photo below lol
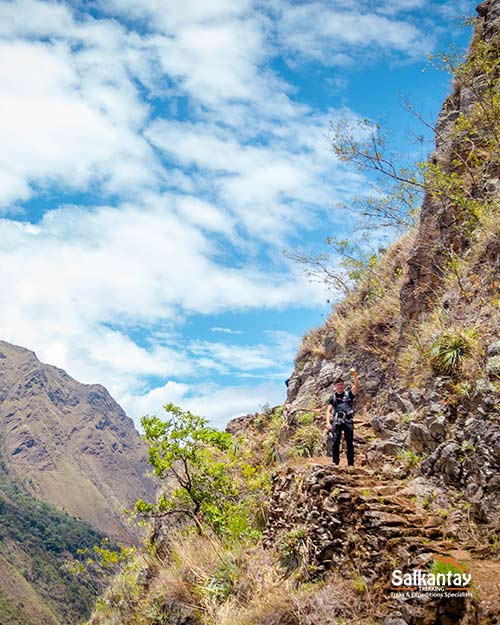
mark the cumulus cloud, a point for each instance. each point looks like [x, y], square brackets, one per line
[271, 188]
[70, 113]
[334, 36]
[78, 281]
[219, 404]
[189, 161]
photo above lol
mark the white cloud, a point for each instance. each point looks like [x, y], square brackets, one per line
[331, 32]
[205, 215]
[279, 351]
[69, 112]
[74, 283]
[225, 330]
[172, 14]
[272, 188]
[213, 162]
[397, 6]
[218, 404]
[152, 402]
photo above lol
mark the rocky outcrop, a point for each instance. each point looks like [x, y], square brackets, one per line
[441, 230]
[70, 443]
[322, 519]
[312, 381]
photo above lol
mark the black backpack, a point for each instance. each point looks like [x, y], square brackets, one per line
[348, 412]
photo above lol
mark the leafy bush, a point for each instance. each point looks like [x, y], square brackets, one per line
[308, 441]
[211, 487]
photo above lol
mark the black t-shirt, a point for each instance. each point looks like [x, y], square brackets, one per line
[343, 401]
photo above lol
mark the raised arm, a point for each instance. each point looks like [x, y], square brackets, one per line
[355, 386]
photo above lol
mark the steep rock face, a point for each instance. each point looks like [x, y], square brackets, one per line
[70, 443]
[440, 231]
[449, 421]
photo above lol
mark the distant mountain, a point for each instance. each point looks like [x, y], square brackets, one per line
[36, 540]
[69, 443]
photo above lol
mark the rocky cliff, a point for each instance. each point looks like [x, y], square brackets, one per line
[423, 327]
[70, 443]
[468, 152]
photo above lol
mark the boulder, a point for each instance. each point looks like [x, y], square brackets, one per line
[384, 425]
[419, 438]
[493, 367]
[389, 447]
[494, 349]
[400, 403]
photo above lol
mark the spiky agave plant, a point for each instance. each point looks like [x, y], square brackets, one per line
[450, 349]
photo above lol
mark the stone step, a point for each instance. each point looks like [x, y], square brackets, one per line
[374, 504]
[425, 521]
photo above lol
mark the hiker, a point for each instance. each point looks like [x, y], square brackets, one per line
[339, 417]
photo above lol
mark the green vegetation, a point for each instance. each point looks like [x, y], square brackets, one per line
[11, 614]
[293, 548]
[427, 500]
[409, 458]
[450, 350]
[308, 441]
[359, 584]
[36, 541]
[222, 582]
[446, 565]
[467, 447]
[213, 488]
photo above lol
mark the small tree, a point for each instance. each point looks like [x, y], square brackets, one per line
[205, 481]
[396, 191]
[389, 207]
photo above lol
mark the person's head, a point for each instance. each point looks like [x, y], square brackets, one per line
[339, 385]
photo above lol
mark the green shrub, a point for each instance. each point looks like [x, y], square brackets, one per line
[445, 566]
[221, 584]
[449, 351]
[308, 441]
[209, 484]
[409, 458]
[306, 418]
[293, 548]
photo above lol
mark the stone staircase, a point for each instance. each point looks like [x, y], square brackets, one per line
[365, 524]
[350, 516]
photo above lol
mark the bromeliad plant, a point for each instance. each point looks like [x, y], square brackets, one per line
[206, 484]
[450, 350]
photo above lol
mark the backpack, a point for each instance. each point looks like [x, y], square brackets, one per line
[342, 414]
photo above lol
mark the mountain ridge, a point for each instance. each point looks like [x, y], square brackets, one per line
[70, 443]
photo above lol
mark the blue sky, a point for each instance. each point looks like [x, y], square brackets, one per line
[157, 158]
